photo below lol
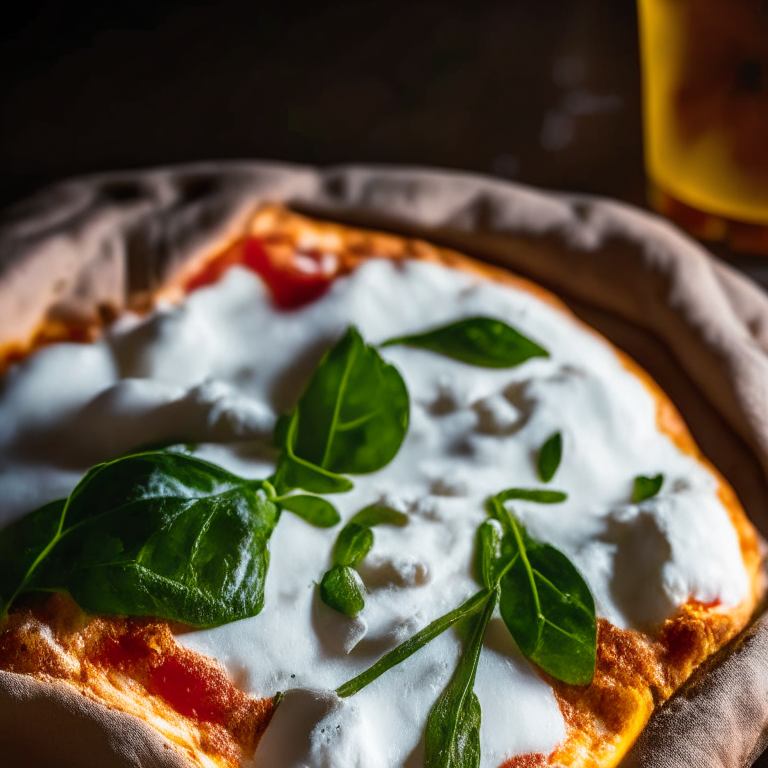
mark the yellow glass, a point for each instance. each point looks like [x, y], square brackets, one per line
[705, 105]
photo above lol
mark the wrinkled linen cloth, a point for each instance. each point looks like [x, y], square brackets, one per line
[699, 327]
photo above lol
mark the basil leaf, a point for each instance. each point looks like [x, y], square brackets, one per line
[378, 514]
[547, 607]
[294, 472]
[20, 548]
[342, 590]
[413, 644]
[313, 509]
[646, 487]
[453, 726]
[355, 540]
[533, 494]
[481, 341]
[493, 553]
[549, 457]
[353, 415]
[154, 534]
[352, 545]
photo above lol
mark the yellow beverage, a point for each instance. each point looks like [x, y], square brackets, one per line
[705, 94]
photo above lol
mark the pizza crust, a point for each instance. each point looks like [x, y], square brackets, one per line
[675, 426]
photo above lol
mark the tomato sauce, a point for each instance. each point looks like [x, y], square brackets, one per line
[293, 278]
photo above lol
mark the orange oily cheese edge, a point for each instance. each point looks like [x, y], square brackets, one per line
[635, 671]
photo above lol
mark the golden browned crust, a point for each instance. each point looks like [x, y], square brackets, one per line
[635, 671]
[136, 666]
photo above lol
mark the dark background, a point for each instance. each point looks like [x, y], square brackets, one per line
[543, 91]
[546, 92]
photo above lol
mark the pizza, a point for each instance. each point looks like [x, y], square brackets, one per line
[350, 498]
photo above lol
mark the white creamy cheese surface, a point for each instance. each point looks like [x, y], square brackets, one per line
[218, 369]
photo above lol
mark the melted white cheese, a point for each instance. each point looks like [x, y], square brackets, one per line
[218, 369]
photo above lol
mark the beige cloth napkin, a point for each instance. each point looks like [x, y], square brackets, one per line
[700, 328]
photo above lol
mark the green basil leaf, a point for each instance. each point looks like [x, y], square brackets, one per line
[493, 553]
[294, 472]
[453, 726]
[156, 534]
[413, 644]
[342, 590]
[280, 434]
[646, 487]
[353, 415]
[21, 544]
[547, 607]
[549, 457]
[480, 341]
[355, 540]
[313, 509]
[352, 545]
[378, 514]
[532, 494]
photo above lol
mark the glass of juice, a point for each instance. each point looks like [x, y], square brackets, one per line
[705, 112]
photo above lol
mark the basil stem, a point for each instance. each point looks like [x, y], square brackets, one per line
[453, 726]
[480, 341]
[413, 644]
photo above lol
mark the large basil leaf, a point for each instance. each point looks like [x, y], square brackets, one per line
[353, 415]
[480, 341]
[547, 607]
[21, 545]
[155, 534]
[413, 644]
[453, 726]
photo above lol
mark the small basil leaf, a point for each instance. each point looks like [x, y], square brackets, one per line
[646, 487]
[549, 457]
[378, 514]
[313, 509]
[480, 341]
[355, 540]
[342, 590]
[453, 725]
[160, 534]
[533, 494]
[294, 472]
[353, 415]
[548, 608]
[21, 544]
[352, 545]
[413, 644]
